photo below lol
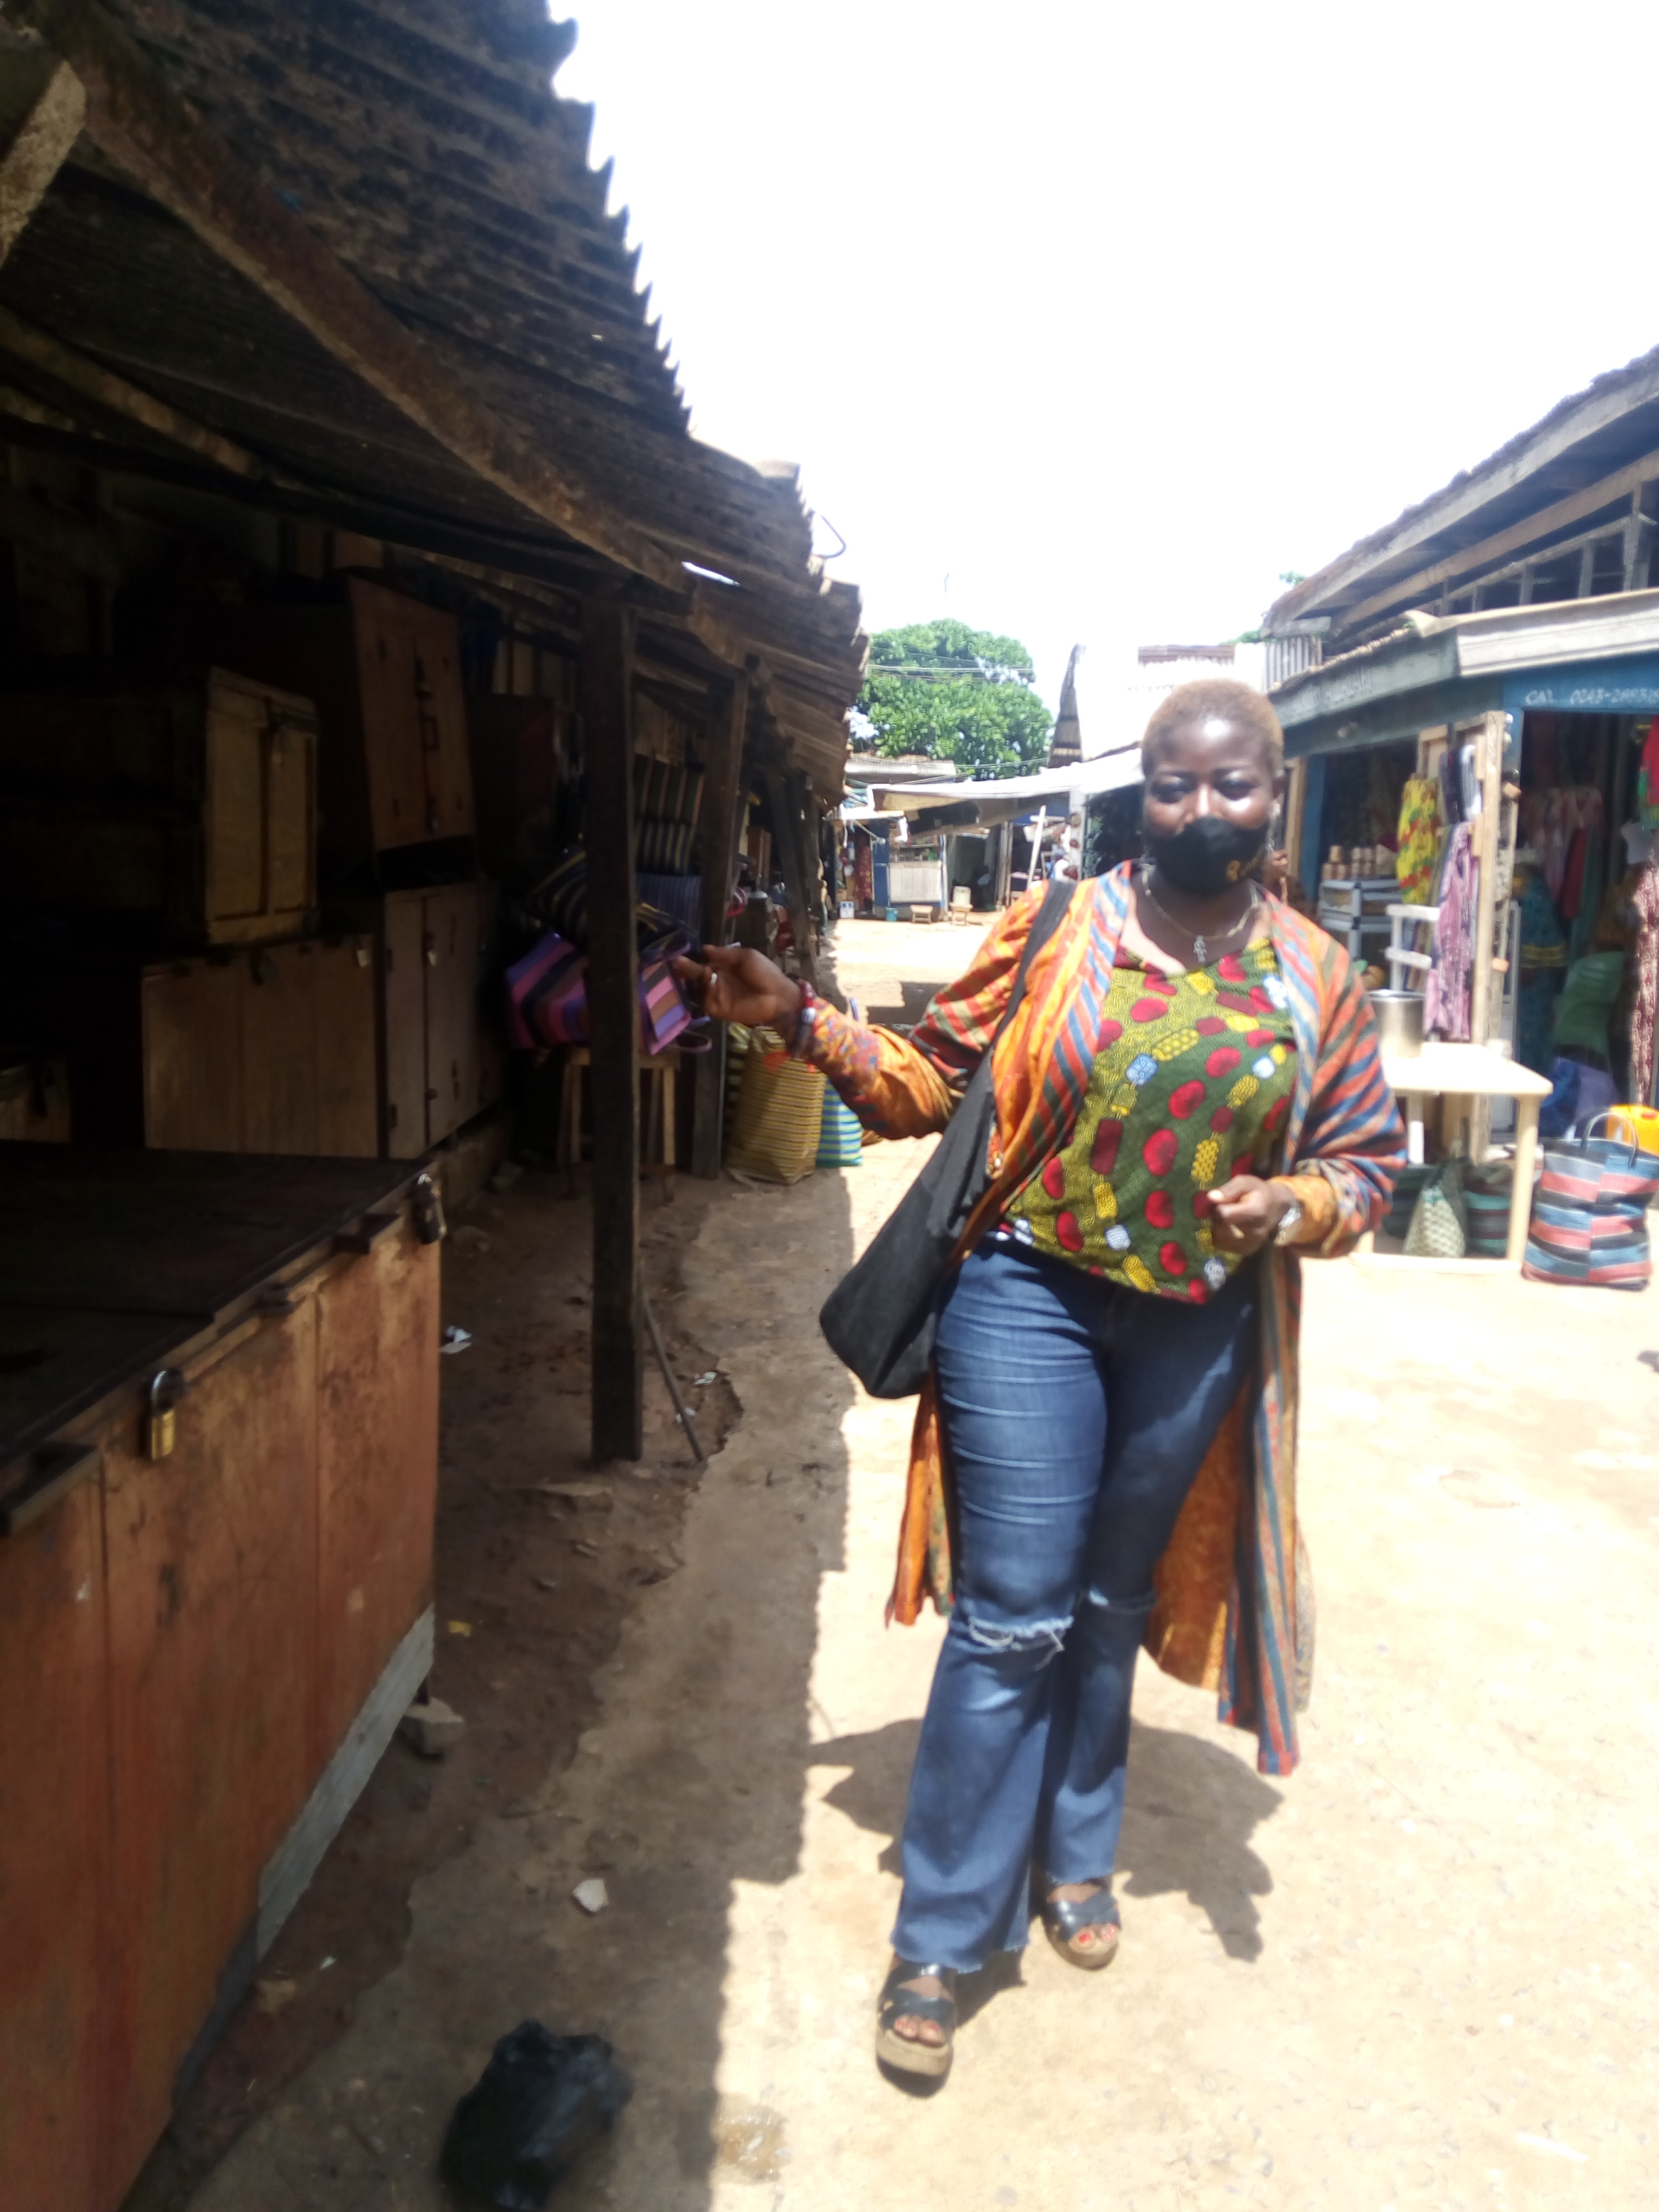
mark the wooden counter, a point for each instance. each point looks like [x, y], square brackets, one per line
[1443, 1070]
[201, 1656]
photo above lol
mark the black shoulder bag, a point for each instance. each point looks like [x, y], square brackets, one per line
[879, 1318]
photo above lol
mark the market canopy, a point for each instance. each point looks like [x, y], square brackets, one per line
[1004, 799]
[1597, 656]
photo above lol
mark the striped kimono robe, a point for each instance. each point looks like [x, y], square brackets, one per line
[1235, 1610]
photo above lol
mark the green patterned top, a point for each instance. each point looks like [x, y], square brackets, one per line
[1191, 1085]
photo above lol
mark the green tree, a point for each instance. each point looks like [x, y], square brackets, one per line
[950, 693]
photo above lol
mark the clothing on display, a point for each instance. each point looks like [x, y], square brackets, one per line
[1560, 826]
[1646, 905]
[1446, 1007]
[1586, 1004]
[1543, 966]
[1419, 834]
[1647, 779]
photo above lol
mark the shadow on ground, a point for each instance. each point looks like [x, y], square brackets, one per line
[1192, 1808]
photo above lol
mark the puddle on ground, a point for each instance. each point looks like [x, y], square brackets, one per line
[749, 2140]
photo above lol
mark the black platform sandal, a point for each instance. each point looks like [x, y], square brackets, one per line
[896, 2003]
[1064, 1919]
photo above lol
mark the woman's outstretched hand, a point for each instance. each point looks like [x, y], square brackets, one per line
[1245, 1213]
[735, 983]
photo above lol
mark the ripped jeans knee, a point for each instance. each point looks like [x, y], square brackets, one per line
[1044, 1640]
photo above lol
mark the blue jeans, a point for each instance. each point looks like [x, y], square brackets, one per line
[1076, 1416]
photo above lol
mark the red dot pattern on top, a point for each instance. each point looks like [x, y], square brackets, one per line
[1176, 1105]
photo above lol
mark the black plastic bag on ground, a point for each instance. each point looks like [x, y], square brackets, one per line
[541, 2101]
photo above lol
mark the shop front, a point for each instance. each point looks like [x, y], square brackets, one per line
[1478, 800]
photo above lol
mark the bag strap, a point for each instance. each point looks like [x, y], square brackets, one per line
[1056, 905]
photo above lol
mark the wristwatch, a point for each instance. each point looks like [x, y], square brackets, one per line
[1289, 1224]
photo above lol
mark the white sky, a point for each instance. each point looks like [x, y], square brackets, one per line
[1105, 313]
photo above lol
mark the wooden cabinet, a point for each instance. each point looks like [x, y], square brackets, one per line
[271, 1051]
[381, 1043]
[385, 672]
[442, 1058]
[195, 807]
[203, 1657]
[55, 1838]
[212, 1608]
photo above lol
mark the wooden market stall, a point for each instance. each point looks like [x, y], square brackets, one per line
[356, 561]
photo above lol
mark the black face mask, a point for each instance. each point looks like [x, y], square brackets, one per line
[1207, 857]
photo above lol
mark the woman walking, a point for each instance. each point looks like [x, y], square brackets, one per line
[1189, 1095]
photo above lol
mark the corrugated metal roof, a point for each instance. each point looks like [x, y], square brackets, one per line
[1584, 437]
[421, 142]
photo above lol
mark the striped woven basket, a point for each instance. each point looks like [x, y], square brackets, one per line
[1408, 1189]
[775, 1132]
[1486, 1204]
[1589, 1220]
[737, 1040]
[841, 1138]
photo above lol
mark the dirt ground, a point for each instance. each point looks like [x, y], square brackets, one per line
[1422, 1972]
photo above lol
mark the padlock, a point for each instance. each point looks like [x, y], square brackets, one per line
[161, 1416]
[429, 1223]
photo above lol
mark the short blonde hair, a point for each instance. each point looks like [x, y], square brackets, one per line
[1216, 698]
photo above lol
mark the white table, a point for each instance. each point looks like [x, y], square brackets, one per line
[1473, 1071]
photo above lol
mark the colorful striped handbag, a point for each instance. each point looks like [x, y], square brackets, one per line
[1589, 1222]
[547, 995]
[547, 999]
[663, 1015]
[560, 900]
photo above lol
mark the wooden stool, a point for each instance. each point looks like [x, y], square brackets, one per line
[657, 1132]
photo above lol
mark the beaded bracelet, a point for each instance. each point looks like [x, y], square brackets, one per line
[810, 1003]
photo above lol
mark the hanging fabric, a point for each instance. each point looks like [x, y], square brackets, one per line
[1647, 780]
[1419, 838]
[1560, 826]
[1646, 903]
[1446, 1008]
[1543, 966]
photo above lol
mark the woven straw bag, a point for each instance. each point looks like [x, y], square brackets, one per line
[775, 1132]
[1439, 1229]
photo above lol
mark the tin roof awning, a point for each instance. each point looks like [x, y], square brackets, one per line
[1575, 655]
[999, 798]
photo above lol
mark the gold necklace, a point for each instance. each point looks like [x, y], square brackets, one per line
[1201, 946]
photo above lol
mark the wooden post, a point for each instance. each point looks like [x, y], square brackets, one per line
[605, 687]
[1296, 776]
[804, 816]
[1638, 544]
[722, 803]
[1489, 768]
[785, 824]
